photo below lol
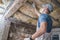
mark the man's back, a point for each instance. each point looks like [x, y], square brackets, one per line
[45, 18]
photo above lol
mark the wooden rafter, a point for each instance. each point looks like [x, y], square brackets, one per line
[15, 6]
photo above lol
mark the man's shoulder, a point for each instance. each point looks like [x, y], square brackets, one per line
[44, 16]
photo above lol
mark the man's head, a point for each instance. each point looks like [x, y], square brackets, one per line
[46, 8]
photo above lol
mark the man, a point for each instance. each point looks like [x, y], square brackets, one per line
[44, 24]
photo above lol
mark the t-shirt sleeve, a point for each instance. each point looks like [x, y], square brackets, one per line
[43, 19]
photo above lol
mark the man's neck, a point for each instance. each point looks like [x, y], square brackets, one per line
[44, 13]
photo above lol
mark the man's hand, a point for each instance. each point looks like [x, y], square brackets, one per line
[26, 38]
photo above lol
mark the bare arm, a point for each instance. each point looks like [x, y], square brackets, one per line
[41, 31]
[36, 12]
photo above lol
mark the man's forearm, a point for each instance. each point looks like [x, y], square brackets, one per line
[36, 12]
[41, 30]
[37, 34]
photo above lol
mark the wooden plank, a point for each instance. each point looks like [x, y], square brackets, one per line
[4, 28]
[15, 6]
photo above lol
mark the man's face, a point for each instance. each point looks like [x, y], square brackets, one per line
[44, 9]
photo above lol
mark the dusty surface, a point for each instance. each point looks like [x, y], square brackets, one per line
[19, 32]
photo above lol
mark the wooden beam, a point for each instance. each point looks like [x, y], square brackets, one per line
[4, 28]
[21, 23]
[4, 1]
[15, 6]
